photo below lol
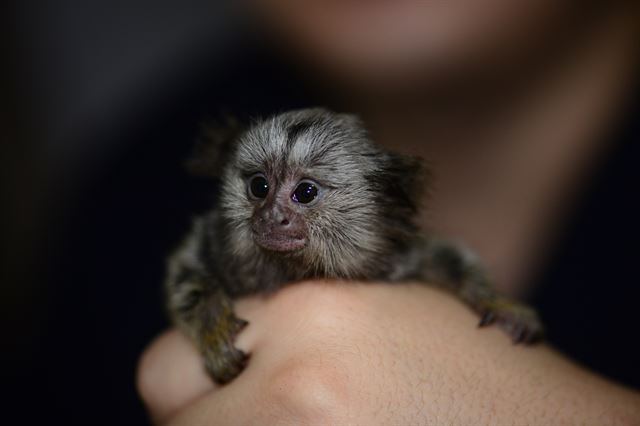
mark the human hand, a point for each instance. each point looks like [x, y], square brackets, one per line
[338, 353]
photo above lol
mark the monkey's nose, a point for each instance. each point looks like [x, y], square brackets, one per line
[277, 218]
[282, 222]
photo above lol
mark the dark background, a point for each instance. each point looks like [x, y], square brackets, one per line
[102, 102]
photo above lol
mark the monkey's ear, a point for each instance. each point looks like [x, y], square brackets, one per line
[407, 182]
[213, 147]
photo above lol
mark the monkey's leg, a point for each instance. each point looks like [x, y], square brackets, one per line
[199, 306]
[208, 318]
[459, 272]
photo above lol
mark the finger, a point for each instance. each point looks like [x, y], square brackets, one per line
[170, 375]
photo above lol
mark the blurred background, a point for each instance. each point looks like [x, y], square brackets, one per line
[102, 102]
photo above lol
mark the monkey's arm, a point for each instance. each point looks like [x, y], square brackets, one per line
[454, 269]
[199, 306]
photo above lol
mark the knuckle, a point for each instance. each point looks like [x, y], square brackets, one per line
[311, 389]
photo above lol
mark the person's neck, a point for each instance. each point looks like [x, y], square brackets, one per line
[505, 173]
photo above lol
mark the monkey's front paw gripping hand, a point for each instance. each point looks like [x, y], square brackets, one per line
[222, 359]
[520, 322]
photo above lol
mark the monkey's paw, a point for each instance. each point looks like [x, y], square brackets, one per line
[520, 322]
[222, 360]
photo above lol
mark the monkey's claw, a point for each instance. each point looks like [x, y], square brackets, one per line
[226, 364]
[238, 325]
[520, 322]
[222, 360]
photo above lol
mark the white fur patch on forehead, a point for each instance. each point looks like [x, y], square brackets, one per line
[311, 141]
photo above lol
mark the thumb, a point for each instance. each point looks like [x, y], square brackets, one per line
[170, 375]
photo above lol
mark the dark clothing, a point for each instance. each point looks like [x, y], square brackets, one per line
[589, 292]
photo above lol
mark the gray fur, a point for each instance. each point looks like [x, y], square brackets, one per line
[362, 227]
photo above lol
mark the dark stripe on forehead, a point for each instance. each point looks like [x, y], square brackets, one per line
[295, 130]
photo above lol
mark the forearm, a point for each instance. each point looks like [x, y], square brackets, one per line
[380, 354]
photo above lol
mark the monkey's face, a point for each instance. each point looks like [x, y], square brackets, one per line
[305, 187]
[279, 221]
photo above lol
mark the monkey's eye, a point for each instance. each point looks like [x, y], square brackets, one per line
[258, 186]
[305, 192]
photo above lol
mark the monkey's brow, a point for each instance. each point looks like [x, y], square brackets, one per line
[247, 173]
[320, 178]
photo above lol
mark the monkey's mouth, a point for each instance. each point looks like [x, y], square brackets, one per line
[281, 243]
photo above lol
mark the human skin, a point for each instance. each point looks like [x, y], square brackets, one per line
[366, 353]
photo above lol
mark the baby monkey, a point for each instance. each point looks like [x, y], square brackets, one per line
[306, 194]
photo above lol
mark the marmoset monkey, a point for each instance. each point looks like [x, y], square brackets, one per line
[306, 194]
